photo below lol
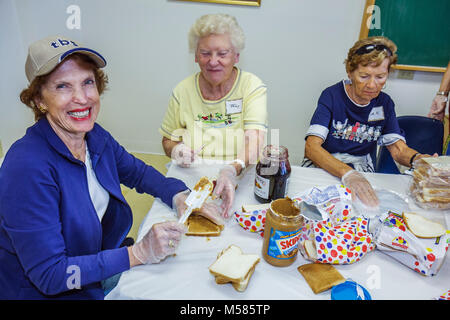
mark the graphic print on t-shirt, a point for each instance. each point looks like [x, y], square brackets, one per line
[355, 131]
[217, 120]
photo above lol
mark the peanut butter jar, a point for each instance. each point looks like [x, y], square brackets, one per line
[282, 232]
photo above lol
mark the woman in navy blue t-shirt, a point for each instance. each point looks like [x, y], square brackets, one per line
[353, 115]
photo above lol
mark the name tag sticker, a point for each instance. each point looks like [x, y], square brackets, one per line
[376, 114]
[234, 106]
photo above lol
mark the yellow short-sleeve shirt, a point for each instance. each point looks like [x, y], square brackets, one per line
[217, 125]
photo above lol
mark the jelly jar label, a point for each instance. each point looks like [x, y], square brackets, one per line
[262, 187]
[283, 244]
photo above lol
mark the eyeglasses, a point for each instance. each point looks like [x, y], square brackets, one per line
[370, 47]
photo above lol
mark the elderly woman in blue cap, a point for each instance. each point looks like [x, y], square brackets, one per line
[63, 216]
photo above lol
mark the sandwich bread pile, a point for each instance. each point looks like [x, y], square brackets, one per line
[431, 182]
[232, 265]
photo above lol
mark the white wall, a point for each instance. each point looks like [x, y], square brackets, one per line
[296, 46]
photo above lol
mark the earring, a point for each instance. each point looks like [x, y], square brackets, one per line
[384, 87]
[42, 109]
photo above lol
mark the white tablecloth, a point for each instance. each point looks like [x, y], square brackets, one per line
[186, 275]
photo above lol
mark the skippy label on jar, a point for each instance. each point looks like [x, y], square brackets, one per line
[283, 244]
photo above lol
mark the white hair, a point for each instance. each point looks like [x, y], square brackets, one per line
[216, 24]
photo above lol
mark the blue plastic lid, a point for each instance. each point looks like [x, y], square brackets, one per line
[349, 290]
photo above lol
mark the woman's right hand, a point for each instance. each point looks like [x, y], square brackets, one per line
[360, 187]
[161, 241]
[183, 155]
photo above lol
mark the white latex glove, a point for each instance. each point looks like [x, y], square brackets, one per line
[437, 110]
[208, 210]
[225, 187]
[183, 155]
[160, 242]
[360, 187]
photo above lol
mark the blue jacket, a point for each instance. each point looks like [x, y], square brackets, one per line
[51, 239]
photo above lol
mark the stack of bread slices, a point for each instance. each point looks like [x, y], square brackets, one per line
[431, 185]
[232, 265]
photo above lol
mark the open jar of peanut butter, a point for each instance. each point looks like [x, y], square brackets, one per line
[281, 232]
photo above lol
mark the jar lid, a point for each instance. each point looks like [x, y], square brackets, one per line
[349, 290]
[275, 152]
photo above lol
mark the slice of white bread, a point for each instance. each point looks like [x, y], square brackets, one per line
[239, 286]
[253, 207]
[310, 248]
[422, 227]
[232, 265]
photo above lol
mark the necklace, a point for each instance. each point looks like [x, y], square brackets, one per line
[80, 155]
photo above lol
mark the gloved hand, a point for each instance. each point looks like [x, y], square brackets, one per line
[225, 187]
[183, 155]
[437, 110]
[160, 242]
[360, 187]
[208, 210]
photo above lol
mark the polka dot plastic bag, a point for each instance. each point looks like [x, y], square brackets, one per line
[252, 221]
[331, 233]
[444, 296]
[424, 256]
[331, 201]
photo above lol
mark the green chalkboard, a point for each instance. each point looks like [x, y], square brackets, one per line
[419, 28]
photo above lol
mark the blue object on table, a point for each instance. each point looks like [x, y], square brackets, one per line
[421, 133]
[349, 290]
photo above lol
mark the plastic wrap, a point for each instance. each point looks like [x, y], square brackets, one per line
[424, 256]
[430, 186]
[388, 201]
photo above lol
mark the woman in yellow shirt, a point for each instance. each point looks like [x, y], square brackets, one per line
[220, 112]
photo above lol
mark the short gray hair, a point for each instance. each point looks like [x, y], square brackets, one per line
[216, 24]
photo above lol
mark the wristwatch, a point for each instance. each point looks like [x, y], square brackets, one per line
[443, 93]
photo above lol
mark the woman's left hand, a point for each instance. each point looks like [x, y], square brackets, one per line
[225, 187]
[360, 188]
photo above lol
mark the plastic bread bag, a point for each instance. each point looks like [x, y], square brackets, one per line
[332, 202]
[444, 296]
[388, 201]
[424, 255]
[346, 243]
[430, 185]
[328, 202]
[252, 221]
[331, 234]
